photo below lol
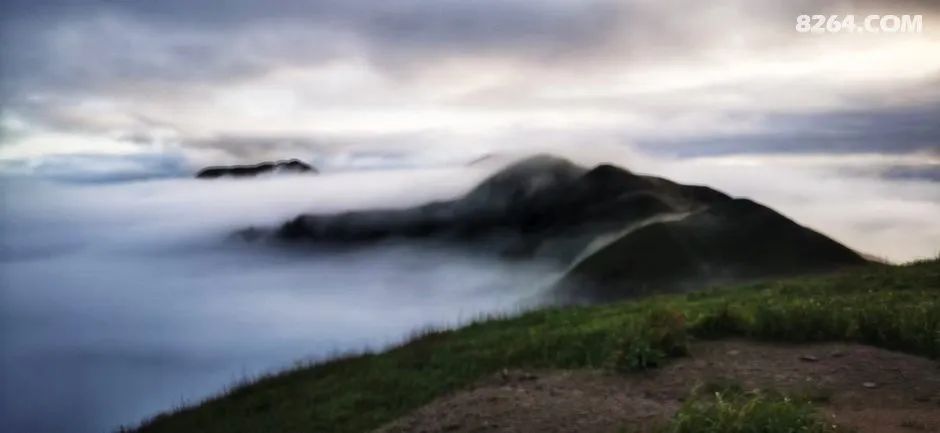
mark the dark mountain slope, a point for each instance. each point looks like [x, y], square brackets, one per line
[541, 203]
[671, 236]
[731, 240]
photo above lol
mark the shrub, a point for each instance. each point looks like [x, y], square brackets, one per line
[809, 319]
[637, 354]
[908, 321]
[661, 334]
[721, 323]
[906, 327]
[667, 331]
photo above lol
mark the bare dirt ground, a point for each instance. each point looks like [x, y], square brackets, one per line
[861, 387]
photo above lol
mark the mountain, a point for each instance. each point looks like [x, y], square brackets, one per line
[289, 166]
[732, 240]
[623, 234]
[542, 207]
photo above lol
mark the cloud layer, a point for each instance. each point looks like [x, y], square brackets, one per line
[405, 74]
[120, 300]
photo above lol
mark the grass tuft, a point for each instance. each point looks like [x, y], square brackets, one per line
[661, 334]
[737, 412]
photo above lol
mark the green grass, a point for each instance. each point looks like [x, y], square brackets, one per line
[661, 334]
[722, 405]
[895, 307]
[737, 412]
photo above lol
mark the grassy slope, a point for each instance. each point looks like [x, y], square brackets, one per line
[892, 307]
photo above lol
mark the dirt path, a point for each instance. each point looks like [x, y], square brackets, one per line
[869, 389]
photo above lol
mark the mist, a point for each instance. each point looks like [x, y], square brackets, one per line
[122, 300]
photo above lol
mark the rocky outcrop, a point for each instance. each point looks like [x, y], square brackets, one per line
[285, 166]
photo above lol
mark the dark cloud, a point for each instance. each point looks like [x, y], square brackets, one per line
[67, 50]
[886, 130]
[74, 44]
[195, 38]
[249, 149]
[897, 130]
[98, 168]
[913, 172]
[403, 149]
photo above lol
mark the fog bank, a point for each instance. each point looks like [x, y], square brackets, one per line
[122, 300]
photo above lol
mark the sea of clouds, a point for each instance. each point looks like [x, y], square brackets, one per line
[123, 293]
[123, 299]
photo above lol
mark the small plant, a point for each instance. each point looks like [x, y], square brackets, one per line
[638, 354]
[735, 412]
[660, 335]
[668, 331]
[723, 322]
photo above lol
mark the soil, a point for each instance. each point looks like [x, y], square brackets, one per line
[864, 388]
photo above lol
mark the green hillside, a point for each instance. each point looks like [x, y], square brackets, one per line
[895, 307]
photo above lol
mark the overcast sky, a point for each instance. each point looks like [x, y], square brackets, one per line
[839, 131]
[243, 79]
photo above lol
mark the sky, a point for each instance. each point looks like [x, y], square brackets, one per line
[121, 89]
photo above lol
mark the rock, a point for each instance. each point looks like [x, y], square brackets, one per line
[870, 385]
[290, 166]
[808, 358]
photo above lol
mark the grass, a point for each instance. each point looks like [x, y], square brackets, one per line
[737, 412]
[722, 405]
[661, 334]
[895, 307]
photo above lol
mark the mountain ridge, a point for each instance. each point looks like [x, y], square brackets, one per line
[545, 207]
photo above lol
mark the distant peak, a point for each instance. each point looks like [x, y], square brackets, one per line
[542, 161]
[284, 165]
